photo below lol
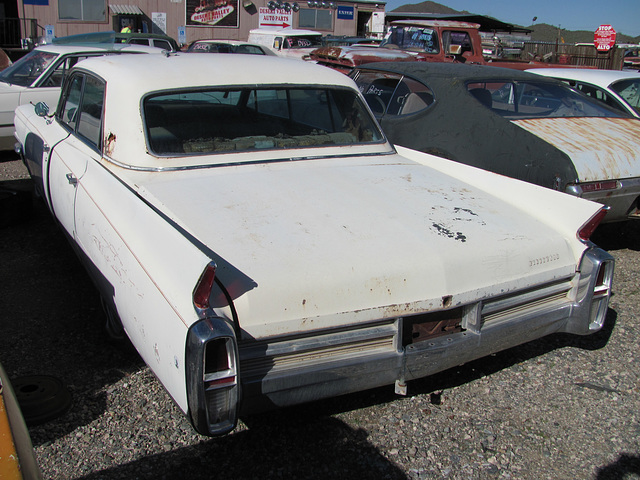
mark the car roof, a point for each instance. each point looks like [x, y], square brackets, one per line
[147, 73]
[424, 71]
[602, 78]
[64, 49]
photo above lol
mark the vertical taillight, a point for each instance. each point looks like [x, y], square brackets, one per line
[202, 292]
[586, 230]
[601, 295]
[213, 385]
[220, 382]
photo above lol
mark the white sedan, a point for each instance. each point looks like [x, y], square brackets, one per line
[38, 76]
[620, 89]
[262, 244]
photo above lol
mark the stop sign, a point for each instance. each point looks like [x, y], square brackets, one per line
[604, 38]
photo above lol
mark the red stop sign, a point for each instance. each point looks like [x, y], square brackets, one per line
[604, 38]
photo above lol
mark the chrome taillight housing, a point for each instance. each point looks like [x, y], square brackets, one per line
[601, 294]
[213, 386]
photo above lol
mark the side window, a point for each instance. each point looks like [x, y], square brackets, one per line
[377, 89]
[57, 76]
[162, 44]
[139, 41]
[81, 108]
[410, 97]
[68, 110]
[456, 43]
[90, 119]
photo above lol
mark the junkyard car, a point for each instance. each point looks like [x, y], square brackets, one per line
[514, 123]
[287, 42]
[155, 40]
[228, 46]
[263, 244]
[38, 76]
[619, 89]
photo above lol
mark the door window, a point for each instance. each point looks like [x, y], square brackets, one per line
[81, 109]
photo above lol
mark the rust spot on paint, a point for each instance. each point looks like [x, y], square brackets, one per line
[447, 300]
[110, 143]
[442, 230]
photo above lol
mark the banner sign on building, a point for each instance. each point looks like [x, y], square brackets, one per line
[278, 18]
[345, 13]
[212, 13]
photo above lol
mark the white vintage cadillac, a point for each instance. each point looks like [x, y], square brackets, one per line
[261, 243]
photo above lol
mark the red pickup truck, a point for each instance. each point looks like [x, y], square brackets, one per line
[418, 40]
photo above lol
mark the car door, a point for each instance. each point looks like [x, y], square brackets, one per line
[81, 115]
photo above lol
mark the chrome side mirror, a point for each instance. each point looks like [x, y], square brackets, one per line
[42, 109]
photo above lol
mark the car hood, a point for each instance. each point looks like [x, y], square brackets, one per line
[318, 243]
[599, 148]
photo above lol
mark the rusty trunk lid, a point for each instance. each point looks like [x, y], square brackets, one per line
[600, 148]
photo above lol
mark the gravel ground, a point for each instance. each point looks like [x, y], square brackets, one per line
[563, 407]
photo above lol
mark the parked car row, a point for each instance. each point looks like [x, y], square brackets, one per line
[254, 233]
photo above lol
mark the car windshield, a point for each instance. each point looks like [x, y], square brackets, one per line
[416, 39]
[629, 90]
[249, 119]
[531, 99]
[27, 70]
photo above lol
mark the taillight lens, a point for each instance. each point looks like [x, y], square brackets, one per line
[598, 186]
[202, 291]
[585, 232]
[220, 382]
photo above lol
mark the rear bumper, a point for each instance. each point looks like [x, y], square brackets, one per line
[285, 371]
[623, 201]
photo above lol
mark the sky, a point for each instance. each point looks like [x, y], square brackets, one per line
[623, 15]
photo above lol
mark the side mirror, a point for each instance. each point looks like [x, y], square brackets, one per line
[42, 109]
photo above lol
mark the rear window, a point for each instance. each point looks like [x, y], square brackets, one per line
[392, 94]
[519, 100]
[249, 119]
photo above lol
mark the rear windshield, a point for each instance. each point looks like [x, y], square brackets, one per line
[519, 100]
[249, 119]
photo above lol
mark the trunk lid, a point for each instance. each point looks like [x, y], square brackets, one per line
[318, 243]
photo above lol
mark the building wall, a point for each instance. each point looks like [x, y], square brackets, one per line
[176, 16]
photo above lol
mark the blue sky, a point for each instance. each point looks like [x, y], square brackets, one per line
[623, 15]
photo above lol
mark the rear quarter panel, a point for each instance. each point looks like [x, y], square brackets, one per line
[143, 263]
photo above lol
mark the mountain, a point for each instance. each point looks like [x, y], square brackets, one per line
[427, 7]
[541, 32]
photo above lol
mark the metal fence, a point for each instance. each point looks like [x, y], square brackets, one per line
[572, 54]
[13, 30]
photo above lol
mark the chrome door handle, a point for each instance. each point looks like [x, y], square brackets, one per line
[71, 178]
